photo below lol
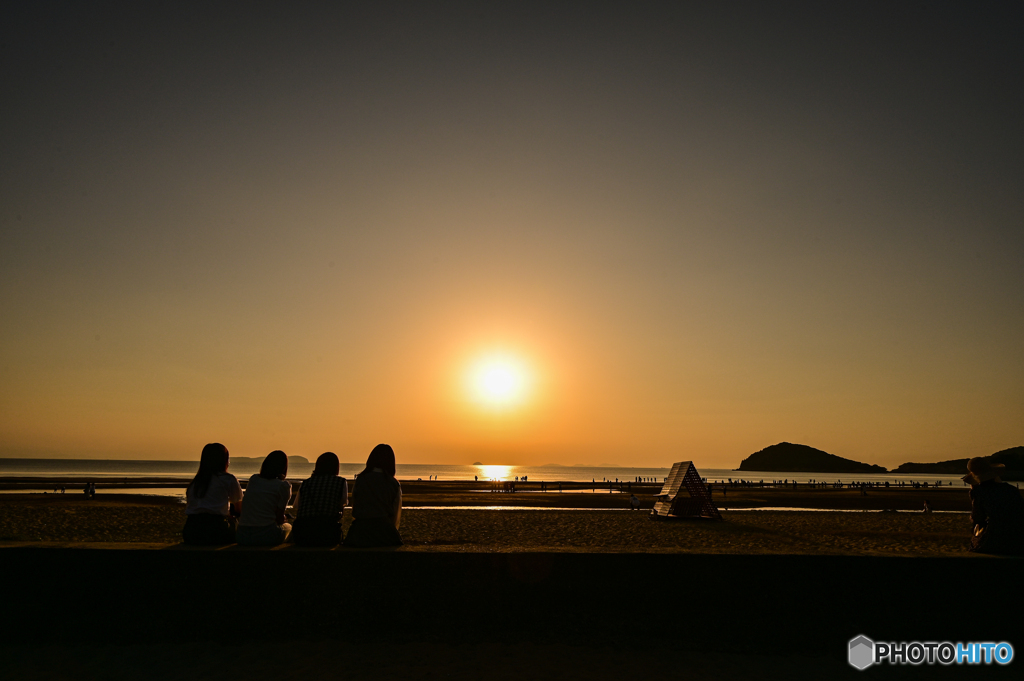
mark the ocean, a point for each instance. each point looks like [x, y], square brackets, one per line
[117, 470]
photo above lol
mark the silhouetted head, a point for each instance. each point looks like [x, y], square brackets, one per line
[213, 460]
[327, 464]
[980, 469]
[382, 457]
[275, 465]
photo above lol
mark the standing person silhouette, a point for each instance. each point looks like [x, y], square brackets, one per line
[997, 510]
[376, 502]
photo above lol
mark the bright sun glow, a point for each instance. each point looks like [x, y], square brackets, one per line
[495, 472]
[499, 380]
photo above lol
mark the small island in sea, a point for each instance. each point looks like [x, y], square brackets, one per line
[1012, 458]
[789, 457]
[292, 458]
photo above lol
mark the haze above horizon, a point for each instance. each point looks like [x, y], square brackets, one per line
[529, 234]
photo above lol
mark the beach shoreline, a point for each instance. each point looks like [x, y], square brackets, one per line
[141, 519]
[572, 494]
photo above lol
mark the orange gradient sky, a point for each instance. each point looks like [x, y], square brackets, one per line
[697, 233]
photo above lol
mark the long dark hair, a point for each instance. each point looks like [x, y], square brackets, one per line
[382, 457]
[213, 460]
[327, 464]
[275, 465]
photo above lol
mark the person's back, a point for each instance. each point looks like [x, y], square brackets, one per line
[996, 509]
[376, 503]
[266, 496]
[319, 504]
[208, 500]
[377, 497]
[999, 511]
[223, 489]
[264, 499]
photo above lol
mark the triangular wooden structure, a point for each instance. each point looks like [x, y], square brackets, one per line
[694, 503]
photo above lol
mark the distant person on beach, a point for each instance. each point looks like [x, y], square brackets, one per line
[634, 502]
[927, 508]
[376, 502]
[208, 498]
[320, 503]
[997, 510]
[266, 496]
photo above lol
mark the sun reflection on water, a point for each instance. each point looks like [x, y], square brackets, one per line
[495, 472]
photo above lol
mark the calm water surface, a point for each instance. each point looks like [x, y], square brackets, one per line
[184, 470]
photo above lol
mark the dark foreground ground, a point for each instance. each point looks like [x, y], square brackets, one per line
[196, 614]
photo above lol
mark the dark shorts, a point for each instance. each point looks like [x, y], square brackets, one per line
[316, 531]
[206, 529]
[369, 532]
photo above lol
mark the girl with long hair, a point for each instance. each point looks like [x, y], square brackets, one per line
[266, 496]
[376, 502]
[320, 504]
[208, 519]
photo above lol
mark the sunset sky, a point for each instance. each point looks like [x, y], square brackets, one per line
[550, 234]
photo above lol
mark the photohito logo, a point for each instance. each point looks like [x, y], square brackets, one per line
[863, 652]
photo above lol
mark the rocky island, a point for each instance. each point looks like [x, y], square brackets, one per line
[1012, 458]
[257, 460]
[788, 457]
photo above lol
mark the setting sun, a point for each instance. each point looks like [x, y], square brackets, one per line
[498, 380]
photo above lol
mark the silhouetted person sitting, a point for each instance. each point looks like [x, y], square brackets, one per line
[376, 503]
[320, 503]
[997, 510]
[208, 497]
[266, 496]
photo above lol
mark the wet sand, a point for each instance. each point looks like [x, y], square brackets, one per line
[580, 496]
[574, 494]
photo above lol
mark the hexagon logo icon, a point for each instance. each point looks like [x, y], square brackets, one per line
[862, 652]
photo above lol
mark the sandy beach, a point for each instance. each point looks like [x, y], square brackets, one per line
[572, 590]
[586, 523]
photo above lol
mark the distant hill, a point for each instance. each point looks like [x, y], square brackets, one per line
[788, 457]
[1012, 458]
[292, 458]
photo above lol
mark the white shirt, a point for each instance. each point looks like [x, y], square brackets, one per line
[223, 489]
[264, 501]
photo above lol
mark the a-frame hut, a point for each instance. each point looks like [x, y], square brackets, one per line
[684, 495]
